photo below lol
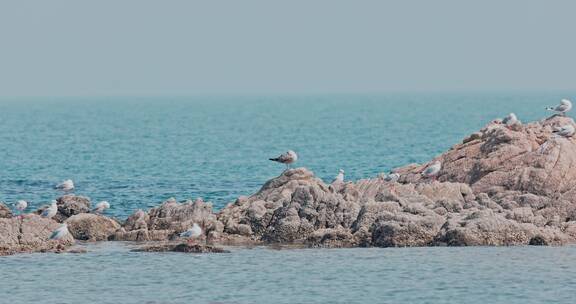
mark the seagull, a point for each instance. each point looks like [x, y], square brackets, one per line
[21, 206]
[564, 106]
[392, 177]
[510, 120]
[60, 232]
[565, 131]
[432, 170]
[67, 185]
[340, 177]
[51, 211]
[192, 233]
[101, 206]
[286, 158]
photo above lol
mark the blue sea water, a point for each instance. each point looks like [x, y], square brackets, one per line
[136, 152]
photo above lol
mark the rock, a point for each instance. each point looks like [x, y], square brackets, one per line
[91, 227]
[5, 212]
[331, 238]
[168, 220]
[30, 233]
[181, 247]
[69, 205]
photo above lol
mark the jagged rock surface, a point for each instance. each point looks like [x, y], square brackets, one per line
[168, 220]
[30, 233]
[501, 186]
[5, 212]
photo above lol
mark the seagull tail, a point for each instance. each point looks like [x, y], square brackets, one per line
[550, 108]
[274, 159]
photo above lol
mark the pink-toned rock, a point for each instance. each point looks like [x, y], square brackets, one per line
[30, 233]
[92, 227]
[168, 220]
[5, 212]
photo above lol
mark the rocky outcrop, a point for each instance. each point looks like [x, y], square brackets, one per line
[5, 212]
[501, 186]
[168, 220]
[30, 233]
[92, 227]
[69, 205]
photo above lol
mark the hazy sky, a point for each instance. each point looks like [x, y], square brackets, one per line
[136, 47]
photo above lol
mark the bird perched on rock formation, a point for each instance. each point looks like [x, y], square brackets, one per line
[340, 177]
[51, 211]
[101, 206]
[21, 206]
[511, 120]
[287, 158]
[432, 170]
[60, 232]
[565, 131]
[193, 233]
[564, 106]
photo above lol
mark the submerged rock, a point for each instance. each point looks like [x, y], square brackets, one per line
[181, 247]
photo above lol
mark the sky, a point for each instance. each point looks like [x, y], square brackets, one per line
[139, 47]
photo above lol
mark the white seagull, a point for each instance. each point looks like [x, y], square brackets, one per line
[51, 211]
[67, 185]
[287, 158]
[510, 120]
[101, 206]
[60, 232]
[340, 177]
[565, 131]
[432, 170]
[193, 233]
[392, 177]
[21, 205]
[564, 106]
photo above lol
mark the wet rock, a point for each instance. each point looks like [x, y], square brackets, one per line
[91, 227]
[181, 247]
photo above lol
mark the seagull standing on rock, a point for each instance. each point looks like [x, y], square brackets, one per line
[564, 106]
[60, 232]
[340, 177]
[432, 170]
[287, 158]
[193, 233]
[67, 185]
[101, 206]
[510, 120]
[51, 211]
[565, 131]
[392, 177]
[21, 206]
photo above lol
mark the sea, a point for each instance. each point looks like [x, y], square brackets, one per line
[136, 152]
